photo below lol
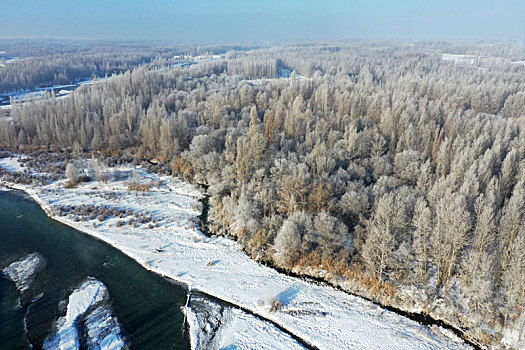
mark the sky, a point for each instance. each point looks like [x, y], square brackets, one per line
[226, 21]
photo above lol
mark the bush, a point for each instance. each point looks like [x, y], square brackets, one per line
[139, 187]
[70, 184]
[275, 305]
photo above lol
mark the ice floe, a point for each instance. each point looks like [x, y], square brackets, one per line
[23, 271]
[87, 308]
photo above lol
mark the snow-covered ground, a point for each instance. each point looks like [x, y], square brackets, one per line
[213, 326]
[11, 165]
[323, 316]
[23, 271]
[474, 60]
[89, 302]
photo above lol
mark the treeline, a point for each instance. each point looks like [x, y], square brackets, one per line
[377, 166]
[43, 47]
[32, 72]
[50, 62]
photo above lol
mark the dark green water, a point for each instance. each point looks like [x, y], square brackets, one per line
[146, 305]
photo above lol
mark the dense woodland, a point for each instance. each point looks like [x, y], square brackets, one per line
[379, 167]
[25, 65]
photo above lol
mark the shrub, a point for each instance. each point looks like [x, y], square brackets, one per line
[70, 184]
[275, 305]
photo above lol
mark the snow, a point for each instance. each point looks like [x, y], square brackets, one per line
[102, 328]
[521, 63]
[205, 58]
[515, 337]
[323, 316]
[467, 59]
[11, 164]
[23, 271]
[215, 327]
[204, 319]
[472, 60]
[4, 61]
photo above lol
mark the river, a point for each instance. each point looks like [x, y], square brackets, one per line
[146, 305]
[35, 94]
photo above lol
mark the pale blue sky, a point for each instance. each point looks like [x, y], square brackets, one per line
[207, 21]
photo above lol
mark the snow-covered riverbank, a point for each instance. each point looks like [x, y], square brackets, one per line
[214, 326]
[171, 245]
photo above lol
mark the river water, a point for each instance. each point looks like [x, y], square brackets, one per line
[146, 305]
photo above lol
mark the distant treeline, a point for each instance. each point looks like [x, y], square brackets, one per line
[54, 62]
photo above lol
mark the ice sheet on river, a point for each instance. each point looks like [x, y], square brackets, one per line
[23, 271]
[88, 319]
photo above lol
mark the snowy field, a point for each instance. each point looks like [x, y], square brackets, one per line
[322, 316]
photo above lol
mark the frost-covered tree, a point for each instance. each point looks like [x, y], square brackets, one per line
[478, 264]
[422, 223]
[293, 238]
[407, 165]
[450, 234]
[332, 235]
[354, 203]
[72, 174]
[384, 229]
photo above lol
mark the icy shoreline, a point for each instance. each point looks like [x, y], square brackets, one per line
[323, 316]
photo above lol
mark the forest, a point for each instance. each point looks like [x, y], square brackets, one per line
[28, 64]
[395, 171]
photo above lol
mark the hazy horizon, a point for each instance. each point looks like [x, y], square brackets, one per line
[229, 21]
